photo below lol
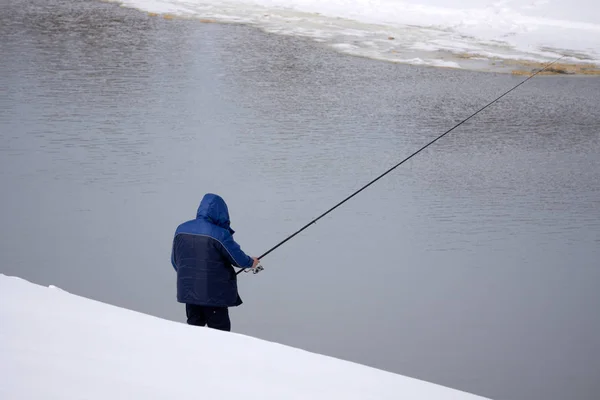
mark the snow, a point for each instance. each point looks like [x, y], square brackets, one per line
[56, 345]
[523, 30]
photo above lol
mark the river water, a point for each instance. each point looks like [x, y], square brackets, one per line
[475, 265]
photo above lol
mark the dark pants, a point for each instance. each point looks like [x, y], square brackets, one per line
[214, 317]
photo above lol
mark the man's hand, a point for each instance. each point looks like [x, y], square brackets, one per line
[256, 267]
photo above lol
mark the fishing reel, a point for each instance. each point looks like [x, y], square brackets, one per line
[254, 270]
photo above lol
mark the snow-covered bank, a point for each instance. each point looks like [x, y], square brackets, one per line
[55, 345]
[476, 35]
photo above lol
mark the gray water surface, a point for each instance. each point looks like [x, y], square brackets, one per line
[475, 265]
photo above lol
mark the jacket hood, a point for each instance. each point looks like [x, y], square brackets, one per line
[214, 209]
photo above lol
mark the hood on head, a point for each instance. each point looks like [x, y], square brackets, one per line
[214, 209]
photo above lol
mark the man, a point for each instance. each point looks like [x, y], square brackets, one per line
[203, 254]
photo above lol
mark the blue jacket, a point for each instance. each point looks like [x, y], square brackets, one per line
[203, 254]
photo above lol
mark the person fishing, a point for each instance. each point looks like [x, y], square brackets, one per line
[203, 255]
[204, 250]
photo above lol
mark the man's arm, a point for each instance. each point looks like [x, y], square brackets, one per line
[235, 254]
[173, 256]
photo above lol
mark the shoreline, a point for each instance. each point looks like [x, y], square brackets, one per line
[476, 63]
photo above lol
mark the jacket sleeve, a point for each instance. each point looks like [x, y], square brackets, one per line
[173, 256]
[234, 253]
[173, 260]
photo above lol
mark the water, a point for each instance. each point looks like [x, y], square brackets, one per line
[474, 265]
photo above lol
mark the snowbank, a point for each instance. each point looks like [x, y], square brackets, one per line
[431, 32]
[55, 345]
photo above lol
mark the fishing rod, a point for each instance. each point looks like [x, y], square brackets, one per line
[259, 268]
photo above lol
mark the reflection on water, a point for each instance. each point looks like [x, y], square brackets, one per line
[474, 265]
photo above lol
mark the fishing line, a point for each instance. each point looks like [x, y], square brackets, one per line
[405, 160]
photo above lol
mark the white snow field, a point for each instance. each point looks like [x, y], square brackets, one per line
[430, 32]
[56, 345]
